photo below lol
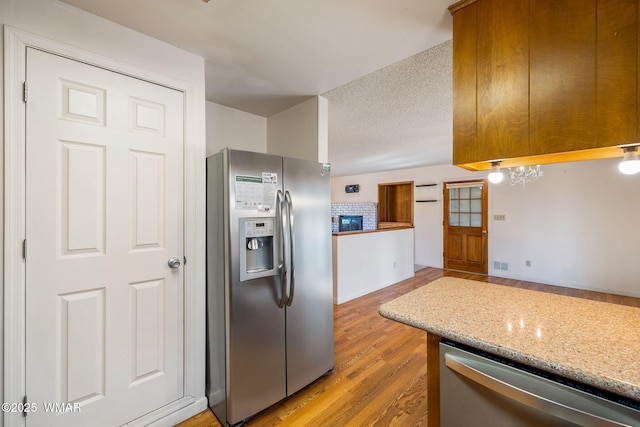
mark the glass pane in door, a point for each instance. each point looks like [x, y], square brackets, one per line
[465, 206]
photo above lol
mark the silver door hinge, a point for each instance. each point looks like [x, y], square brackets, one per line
[24, 249]
[25, 91]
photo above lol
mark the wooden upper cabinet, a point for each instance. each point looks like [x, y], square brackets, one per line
[503, 79]
[584, 64]
[464, 85]
[563, 75]
[554, 80]
[616, 76]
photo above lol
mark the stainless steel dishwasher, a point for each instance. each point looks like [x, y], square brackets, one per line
[479, 389]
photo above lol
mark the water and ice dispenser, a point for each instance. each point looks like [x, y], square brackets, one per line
[257, 248]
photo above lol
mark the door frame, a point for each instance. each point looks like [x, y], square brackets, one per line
[485, 221]
[14, 279]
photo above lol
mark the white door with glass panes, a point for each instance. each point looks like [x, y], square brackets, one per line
[104, 214]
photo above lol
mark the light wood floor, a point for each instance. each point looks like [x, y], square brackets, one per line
[379, 377]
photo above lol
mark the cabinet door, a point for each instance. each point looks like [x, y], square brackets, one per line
[616, 73]
[464, 84]
[503, 79]
[563, 78]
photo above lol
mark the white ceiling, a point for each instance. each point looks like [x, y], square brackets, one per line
[389, 93]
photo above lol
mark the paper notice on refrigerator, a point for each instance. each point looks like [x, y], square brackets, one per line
[256, 193]
[269, 188]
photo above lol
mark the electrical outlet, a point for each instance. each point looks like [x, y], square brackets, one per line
[527, 263]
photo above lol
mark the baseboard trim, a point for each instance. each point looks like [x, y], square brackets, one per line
[173, 413]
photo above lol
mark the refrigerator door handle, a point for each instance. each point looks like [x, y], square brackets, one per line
[280, 219]
[292, 269]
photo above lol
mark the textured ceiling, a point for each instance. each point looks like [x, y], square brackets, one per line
[264, 56]
[395, 118]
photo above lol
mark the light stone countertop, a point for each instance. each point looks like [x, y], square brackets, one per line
[593, 342]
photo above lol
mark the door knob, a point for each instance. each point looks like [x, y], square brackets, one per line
[173, 262]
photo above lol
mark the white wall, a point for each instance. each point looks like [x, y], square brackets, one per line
[361, 262]
[228, 127]
[301, 131]
[65, 24]
[427, 216]
[578, 225]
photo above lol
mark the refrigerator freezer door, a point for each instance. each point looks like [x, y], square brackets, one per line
[310, 316]
[256, 360]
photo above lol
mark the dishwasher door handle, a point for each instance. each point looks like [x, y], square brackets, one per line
[472, 370]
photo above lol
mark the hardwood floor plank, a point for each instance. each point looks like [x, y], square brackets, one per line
[380, 376]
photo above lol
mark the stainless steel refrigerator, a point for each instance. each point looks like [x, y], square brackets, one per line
[269, 280]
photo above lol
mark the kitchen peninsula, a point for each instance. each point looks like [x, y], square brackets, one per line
[373, 258]
[594, 343]
[365, 261]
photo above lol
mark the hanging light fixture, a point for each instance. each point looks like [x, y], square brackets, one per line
[519, 175]
[495, 176]
[630, 163]
[522, 175]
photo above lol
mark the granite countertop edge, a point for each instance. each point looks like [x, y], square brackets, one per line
[613, 385]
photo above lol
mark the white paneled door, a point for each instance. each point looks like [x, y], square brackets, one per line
[104, 191]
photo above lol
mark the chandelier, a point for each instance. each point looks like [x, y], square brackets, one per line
[522, 175]
[519, 175]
